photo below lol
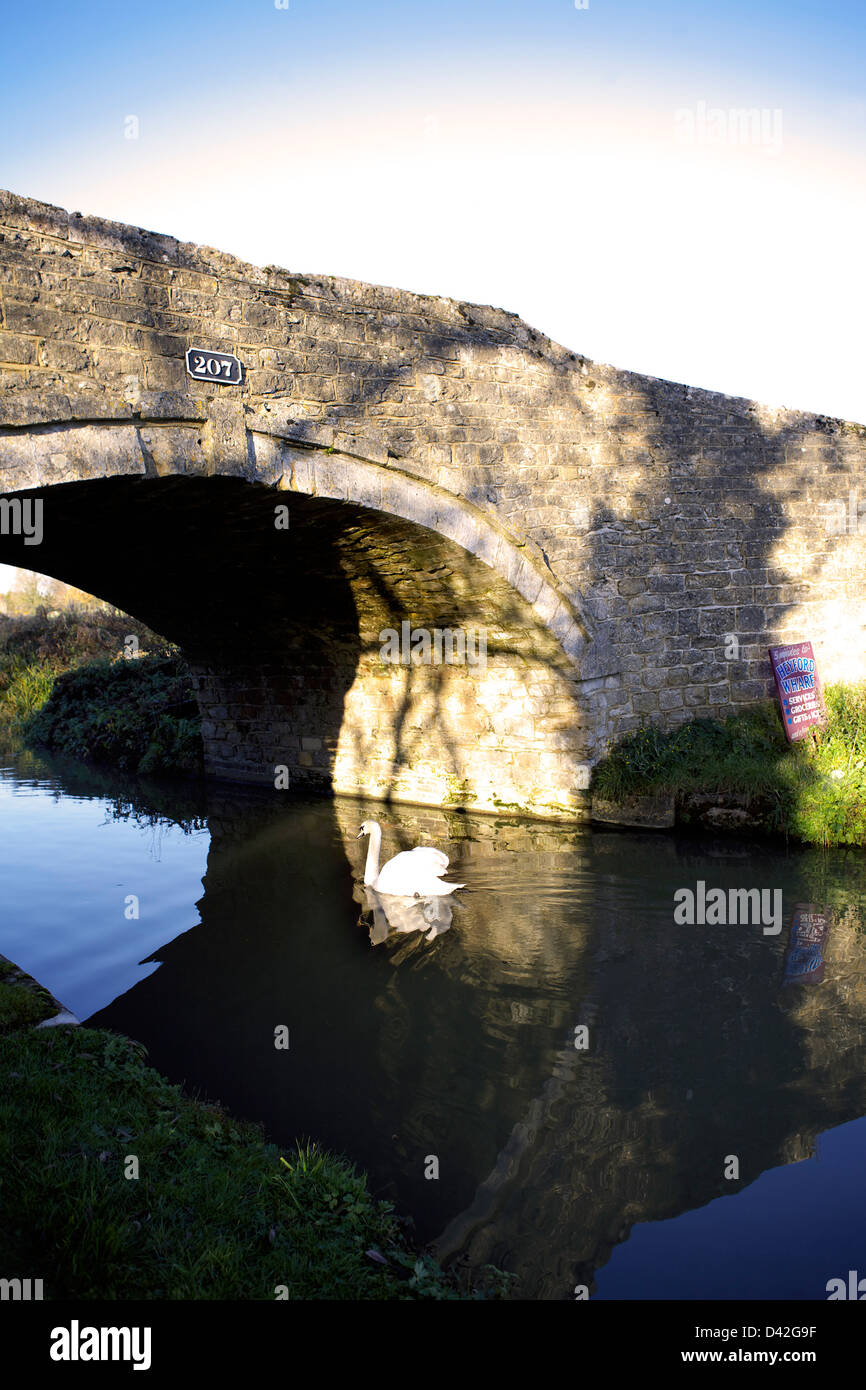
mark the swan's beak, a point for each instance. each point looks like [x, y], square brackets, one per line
[360, 833]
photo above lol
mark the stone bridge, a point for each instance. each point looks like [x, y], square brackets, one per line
[626, 547]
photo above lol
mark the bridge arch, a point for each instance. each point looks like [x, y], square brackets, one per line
[284, 628]
[41, 455]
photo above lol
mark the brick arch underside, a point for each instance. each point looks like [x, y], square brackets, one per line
[282, 628]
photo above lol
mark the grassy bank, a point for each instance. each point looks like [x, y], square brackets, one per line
[66, 684]
[139, 716]
[36, 649]
[814, 790]
[214, 1212]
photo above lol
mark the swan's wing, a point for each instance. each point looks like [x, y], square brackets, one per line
[412, 872]
[398, 876]
[434, 858]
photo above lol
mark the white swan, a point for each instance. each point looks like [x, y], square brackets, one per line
[412, 874]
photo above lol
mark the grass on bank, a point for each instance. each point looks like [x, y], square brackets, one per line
[65, 684]
[139, 716]
[215, 1213]
[36, 649]
[814, 789]
[20, 1005]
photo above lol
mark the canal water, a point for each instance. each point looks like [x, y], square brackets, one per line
[548, 1072]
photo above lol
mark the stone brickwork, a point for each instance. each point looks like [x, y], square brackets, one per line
[632, 545]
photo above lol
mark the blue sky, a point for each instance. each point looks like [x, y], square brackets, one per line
[562, 163]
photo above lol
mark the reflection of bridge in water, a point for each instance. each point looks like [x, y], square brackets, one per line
[463, 1046]
[598, 1151]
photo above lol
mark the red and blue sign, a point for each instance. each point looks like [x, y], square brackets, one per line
[799, 689]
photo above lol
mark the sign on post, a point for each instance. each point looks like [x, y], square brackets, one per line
[206, 365]
[799, 688]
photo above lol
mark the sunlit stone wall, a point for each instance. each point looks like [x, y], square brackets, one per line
[661, 536]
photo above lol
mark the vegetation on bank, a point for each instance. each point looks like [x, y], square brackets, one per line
[214, 1213]
[67, 682]
[139, 716]
[813, 789]
[36, 648]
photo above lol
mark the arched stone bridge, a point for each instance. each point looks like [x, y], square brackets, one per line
[627, 547]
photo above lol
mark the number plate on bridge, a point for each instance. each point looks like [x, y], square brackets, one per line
[214, 366]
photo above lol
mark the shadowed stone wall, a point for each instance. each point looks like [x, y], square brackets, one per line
[629, 545]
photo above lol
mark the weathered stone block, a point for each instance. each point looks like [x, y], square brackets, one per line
[654, 812]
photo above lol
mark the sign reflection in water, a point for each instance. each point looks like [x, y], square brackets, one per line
[804, 955]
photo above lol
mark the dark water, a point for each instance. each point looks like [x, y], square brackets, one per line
[604, 1165]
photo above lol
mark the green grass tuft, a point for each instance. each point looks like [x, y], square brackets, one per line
[21, 1007]
[812, 789]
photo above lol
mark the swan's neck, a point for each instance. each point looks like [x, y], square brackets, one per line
[371, 868]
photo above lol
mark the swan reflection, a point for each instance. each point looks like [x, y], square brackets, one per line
[388, 914]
